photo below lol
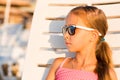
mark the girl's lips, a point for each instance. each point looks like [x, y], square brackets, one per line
[67, 43]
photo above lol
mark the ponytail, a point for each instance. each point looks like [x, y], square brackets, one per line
[103, 55]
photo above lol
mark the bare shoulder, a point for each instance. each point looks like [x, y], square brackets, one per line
[113, 74]
[58, 61]
[54, 67]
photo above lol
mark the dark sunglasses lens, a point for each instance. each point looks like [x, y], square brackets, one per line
[71, 30]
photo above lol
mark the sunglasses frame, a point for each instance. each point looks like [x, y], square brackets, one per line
[81, 27]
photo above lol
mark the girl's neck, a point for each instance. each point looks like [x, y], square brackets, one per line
[87, 62]
[85, 58]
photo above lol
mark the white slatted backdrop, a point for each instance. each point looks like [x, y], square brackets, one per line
[46, 41]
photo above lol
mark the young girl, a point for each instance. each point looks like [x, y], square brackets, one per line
[84, 33]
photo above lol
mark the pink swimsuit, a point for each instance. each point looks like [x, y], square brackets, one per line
[72, 74]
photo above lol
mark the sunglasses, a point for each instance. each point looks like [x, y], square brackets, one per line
[71, 29]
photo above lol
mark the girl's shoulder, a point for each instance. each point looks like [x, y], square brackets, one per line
[60, 61]
[55, 65]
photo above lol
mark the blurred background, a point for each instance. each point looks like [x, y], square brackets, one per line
[15, 23]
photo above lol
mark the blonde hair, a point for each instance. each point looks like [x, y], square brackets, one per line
[95, 18]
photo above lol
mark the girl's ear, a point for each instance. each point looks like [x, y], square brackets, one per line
[94, 35]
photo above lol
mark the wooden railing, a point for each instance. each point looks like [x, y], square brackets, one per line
[48, 65]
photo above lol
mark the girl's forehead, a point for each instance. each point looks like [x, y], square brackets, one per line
[72, 19]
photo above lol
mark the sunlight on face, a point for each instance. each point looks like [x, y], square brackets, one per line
[80, 38]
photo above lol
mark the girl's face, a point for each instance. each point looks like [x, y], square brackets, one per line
[81, 39]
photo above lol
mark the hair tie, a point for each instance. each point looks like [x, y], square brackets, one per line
[103, 39]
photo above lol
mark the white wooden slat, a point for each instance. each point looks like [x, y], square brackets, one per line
[56, 25]
[113, 40]
[116, 56]
[54, 41]
[105, 3]
[117, 70]
[57, 41]
[53, 26]
[114, 24]
[110, 10]
[59, 11]
[47, 56]
[62, 11]
[50, 55]
[81, 1]
[69, 1]
[67, 4]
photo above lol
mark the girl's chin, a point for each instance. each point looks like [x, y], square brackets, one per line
[70, 50]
